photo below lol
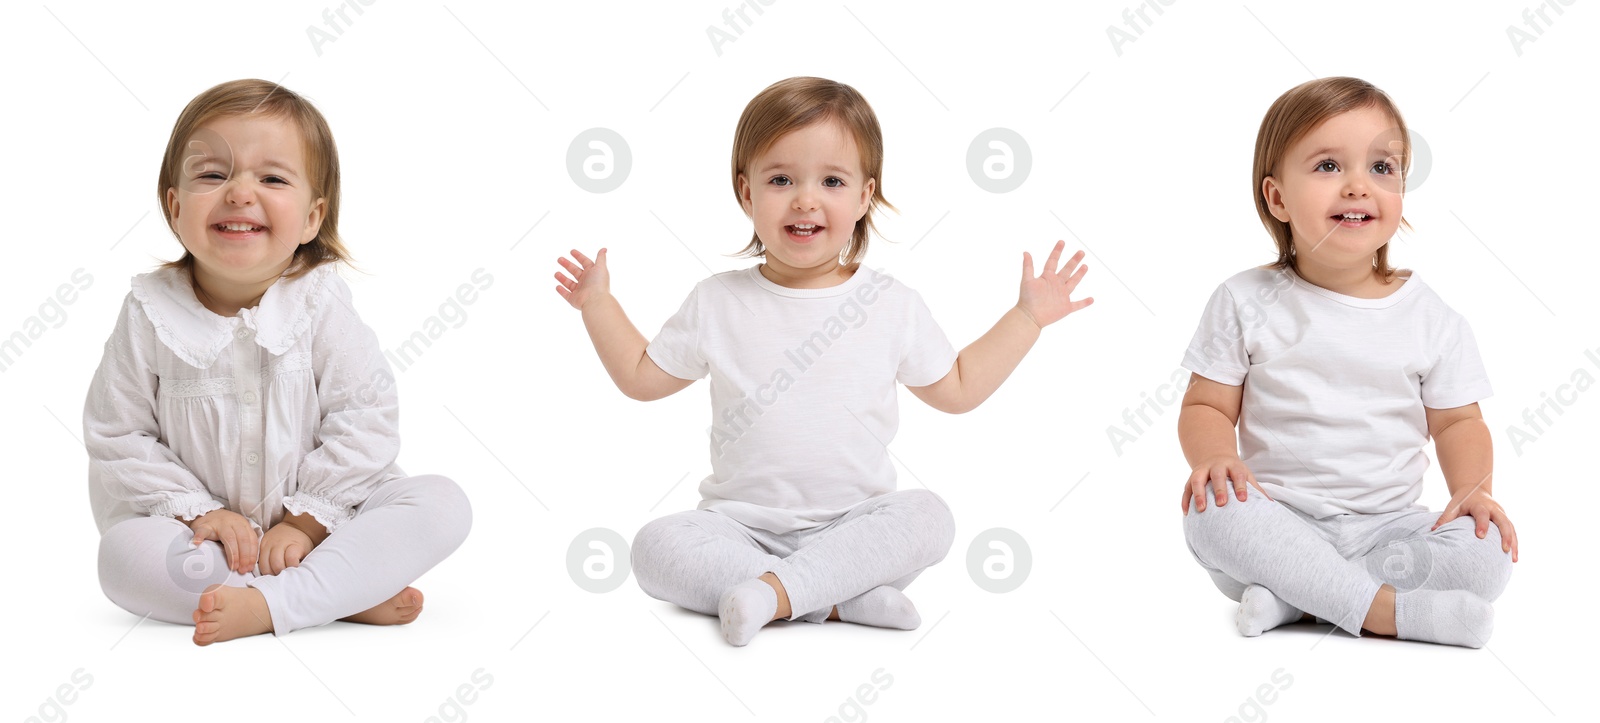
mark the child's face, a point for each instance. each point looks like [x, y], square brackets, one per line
[243, 200]
[1348, 166]
[805, 195]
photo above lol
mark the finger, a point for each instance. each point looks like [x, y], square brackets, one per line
[1240, 484]
[292, 556]
[1450, 513]
[1480, 517]
[201, 534]
[1508, 533]
[1219, 484]
[278, 558]
[568, 284]
[1054, 260]
[1071, 267]
[585, 260]
[1197, 486]
[1072, 281]
[1027, 266]
[1187, 495]
[230, 547]
[572, 268]
[251, 544]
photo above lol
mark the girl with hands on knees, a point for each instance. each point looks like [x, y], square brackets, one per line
[1336, 369]
[799, 518]
[242, 427]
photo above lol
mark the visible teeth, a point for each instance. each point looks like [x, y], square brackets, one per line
[238, 227]
[805, 226]
[1355, 216]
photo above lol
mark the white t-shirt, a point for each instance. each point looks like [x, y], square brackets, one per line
[803, 397]
[287, 405]
[1332, 419]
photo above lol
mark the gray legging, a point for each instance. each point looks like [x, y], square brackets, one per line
[690, 558]
[406, 527]
[1333, 567]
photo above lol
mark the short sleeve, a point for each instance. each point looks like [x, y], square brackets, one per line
[1217, 351]
[927, 355]
[676, 349]
[1457, 377]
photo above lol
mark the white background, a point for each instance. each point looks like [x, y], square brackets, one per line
[453, 124]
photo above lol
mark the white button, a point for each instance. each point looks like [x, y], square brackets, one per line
[252, 458]
[249, 397]
[242, 333]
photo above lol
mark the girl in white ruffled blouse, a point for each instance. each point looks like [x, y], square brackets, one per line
[242, 427]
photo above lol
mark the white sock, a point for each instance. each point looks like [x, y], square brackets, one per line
[1451, 617]
[745, 609]
[1260, 611]
[881, 607]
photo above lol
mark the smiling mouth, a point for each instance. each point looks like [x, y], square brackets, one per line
[804, 230]
[237, 227]
[1352, 217]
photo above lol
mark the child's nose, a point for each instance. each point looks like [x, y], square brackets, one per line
[239, 194]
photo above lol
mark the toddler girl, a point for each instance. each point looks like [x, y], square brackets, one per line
[1337, 369]
[799, 518]
[242, 426]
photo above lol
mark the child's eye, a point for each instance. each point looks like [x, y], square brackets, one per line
[1383, 167]
[1327, 165]
[271, 179]
[779, 181]
[832, 182]
[212, 176]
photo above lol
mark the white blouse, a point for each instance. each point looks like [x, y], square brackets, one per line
[286, 406]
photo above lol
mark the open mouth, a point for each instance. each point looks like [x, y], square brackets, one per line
[237, 229]
[1352, 218]
[803, 230]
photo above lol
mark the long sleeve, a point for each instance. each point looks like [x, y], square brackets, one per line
[358, 437]
[122, 435]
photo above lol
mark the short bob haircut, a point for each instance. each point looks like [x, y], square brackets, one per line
[247, 97]
[794, 103]
[1298, 112]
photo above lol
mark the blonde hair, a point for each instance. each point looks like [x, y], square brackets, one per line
[247, 97]
[795, 103]
[1298, 112]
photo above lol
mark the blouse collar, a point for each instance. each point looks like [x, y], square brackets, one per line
[197, 335]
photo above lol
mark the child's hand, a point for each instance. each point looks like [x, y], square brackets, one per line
[231, 529]
[283, 547]
[1483, 509]
[1218, 472]
[1045, 298]
[589, 280]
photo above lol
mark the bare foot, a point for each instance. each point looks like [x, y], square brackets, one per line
[226, 613]
[403, 608]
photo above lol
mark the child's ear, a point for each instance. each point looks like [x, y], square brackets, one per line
[744, 197]
[867, 190]
[172, 206]
[1274, 198]
[319, 208]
